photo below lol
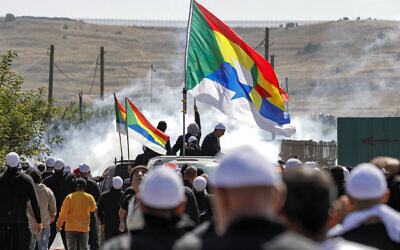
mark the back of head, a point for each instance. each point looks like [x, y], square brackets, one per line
[337, 173]
[162, 189]
[292, 163]
[199, 183]
[309, 197]
[35, 177]
[391, 165]
[59, 165]
[183, 169]
[117, 182]
[12, 160]
[50, 162]
[193, 129]
[162, 126]
[190, 172]
[80, 184]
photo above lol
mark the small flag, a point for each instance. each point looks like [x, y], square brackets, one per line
[225, 72]
[120, 116]
[140, 129]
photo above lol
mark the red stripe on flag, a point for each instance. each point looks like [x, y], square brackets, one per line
[263, 65]
[120, 106]
[147, 124]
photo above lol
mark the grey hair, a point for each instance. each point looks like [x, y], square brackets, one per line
[193, 129]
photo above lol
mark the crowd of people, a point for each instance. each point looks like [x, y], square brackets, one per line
[249, 202]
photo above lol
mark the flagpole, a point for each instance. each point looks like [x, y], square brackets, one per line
[184, 91]
[126, 127]
[119, 134]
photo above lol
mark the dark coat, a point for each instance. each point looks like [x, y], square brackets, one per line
[62, 184]
[204, 203]
[92, 188]
[210, 146]
[394, 187]
[126, 197]
[191, 208]
[255, 233]
[16, 189]
[159, 233]
[179, 142]
[193, 150]
[373, 235]
[107, 209]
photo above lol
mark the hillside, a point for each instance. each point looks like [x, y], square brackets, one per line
[347, 68]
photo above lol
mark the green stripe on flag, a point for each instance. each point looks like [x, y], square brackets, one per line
[204, 54]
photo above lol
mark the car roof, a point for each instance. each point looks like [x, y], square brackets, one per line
[206, 162]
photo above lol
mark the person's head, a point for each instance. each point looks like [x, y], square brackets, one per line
[12, 161]
[389, 164]
[50, 164]
[162, 193]
[59, 165]
[183, 169]
[190, 174]
[199, 183]
[35, 177]
[40, 166]
[67, 168]
[117, 182]
[200, 171]
[246, 183]
[337, 173]
[137, 175]
[366, 187]
[30, 169]
[309, 198]
[219, 130]
[84, 170]
[162, 126]
[193, 129]
[192, 140]
[80, 184]
[291, 164]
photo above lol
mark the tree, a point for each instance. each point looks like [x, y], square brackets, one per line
[24, 115]
[9, 18]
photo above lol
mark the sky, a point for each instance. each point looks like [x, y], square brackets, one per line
[224, 9]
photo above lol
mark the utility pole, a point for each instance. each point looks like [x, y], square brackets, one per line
[266, 44]
[152, 69]
[80, 108]
[51, 72]
[102, 73]
[273, 61]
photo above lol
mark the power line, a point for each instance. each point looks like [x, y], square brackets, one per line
[31, 65]
[94, 75]
[123, 67]
[62, 72]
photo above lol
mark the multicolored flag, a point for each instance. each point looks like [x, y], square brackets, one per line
[140, 129]
[225, 72]
[120, 116]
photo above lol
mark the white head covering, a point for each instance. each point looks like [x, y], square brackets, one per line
[243, 167]
[292, 163]
[220, 126]
[67, 168]
[31, 168]
[84, 168]
[12, 160]
[199, 183]
[59, 164]
[346, 173]
[312, 164]
[19, 165]
[50, 162]
[162, 188]
[366, 181]
[117, 182]
[192, 138]
[36, 164]
[193, 129]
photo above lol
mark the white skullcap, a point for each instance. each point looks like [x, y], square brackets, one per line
[31, 168]
[192, 138]
[243, 167]
[59, 164]
[312, 164]
[36, 164]
[12, 160]
[220, 126]
[84, 168]
[50, 162]
[365, 182]
[117, 182]
[346, 173]
[162, 188]
[67, 168]
[292, 163]
[199, 183]
[19, 165]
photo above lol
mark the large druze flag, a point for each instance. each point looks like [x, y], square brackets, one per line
[226, 73]
[120, 116]
[140, 129]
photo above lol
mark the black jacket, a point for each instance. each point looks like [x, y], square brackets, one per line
[179, 142]
[373, 235]
[126, 197]
[92, 188]
[204, 203]
[394, 187]
[193, 150]
[62, 184]
[16, 189]
[210, 146]
[191, 208]
[107, 209]
[255, 233]
[159, 233]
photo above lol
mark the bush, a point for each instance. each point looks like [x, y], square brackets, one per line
[309, 48]
[9, 18]
[65, 27]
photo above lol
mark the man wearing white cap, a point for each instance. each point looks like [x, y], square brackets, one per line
[62, 184]
[291, 164]
[248, 194]
[92, 189]
[211, 145]
[372, 222]
[16, 189]
[162, 202]
[203, 198]
[49, 167]
[108, 207]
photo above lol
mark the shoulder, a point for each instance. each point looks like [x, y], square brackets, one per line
[290, 241]
[121, 242]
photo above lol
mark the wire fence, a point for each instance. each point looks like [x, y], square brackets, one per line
[183, 23]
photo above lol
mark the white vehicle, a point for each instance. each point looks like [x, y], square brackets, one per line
[207, 163]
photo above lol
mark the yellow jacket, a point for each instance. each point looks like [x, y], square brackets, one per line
[75, 212]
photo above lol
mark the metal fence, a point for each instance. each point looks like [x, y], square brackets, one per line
[183, 23]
